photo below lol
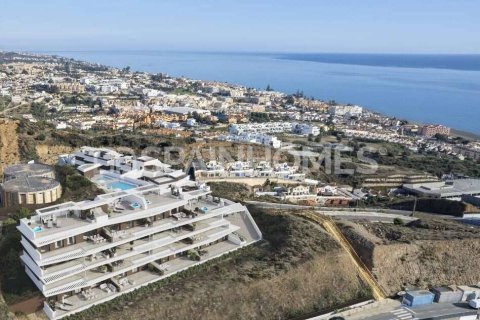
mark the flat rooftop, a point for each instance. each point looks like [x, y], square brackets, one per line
[29, 184]
[118, 203]
[443, 189]
[27, 170]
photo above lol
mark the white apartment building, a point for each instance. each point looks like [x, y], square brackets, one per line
[345, 110]
[305, 129]
[267, 127]
[240, 169]
[82, 124]
[106, 88]
[256, 138]
[152, 223]
[247, 169]
[274, 127]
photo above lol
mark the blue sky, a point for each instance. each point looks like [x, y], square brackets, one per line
[377, 26]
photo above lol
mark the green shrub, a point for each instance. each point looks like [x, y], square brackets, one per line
[398, 221]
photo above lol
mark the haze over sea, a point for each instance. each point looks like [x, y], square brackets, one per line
[443, 89]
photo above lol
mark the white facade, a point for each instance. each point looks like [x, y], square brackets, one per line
[191, 122]
[257, 138]
[274, 127]
[82, 125]
[249, 169]
[61, 125]
[305, 129]
[345, 110]
[84, 253]
[267, 127]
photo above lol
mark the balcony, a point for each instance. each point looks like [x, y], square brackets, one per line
[121, 251]
[91, 277]
[78, 302]
[88, 248]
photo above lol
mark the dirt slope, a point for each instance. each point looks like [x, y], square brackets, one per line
[49, 154]
[405, 256]
[9, 152]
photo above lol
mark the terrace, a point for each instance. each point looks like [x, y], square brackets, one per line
[91, 277]
[78, 302]
[99, 254]
[209, 209]
[61, 221]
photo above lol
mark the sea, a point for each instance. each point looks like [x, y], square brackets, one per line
[426, 88]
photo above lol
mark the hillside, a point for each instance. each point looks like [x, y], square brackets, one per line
[9, 149]
[4, 312]
[49, 153]
[424, 253]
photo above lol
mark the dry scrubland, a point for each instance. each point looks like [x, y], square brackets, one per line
[298, 270]
[23, 141]
[4, 313]
[424, 253]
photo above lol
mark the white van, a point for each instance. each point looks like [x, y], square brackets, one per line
[474, 303]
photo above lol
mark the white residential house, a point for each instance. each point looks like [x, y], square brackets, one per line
[61, 125]
[191, 122]
[82, 124]
[305, 129]
[107, 88]
[240, 169]
[299, 190]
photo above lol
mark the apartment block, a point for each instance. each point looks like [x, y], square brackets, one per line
[432, 130]
[151, 223]
[255, 138]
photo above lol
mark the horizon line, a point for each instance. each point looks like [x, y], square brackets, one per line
[241, 52]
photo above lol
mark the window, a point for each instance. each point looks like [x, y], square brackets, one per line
[71, 240]
[59, 244]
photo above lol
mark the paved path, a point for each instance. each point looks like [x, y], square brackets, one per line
[430, 311]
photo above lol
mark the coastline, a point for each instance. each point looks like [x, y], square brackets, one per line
[465, 134]
[455, 129]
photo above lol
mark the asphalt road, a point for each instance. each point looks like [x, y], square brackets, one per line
[347, 214]
[340, 209]
[431, 311]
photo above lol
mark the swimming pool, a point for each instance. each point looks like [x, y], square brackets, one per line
[120, 185]
[113, 183]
